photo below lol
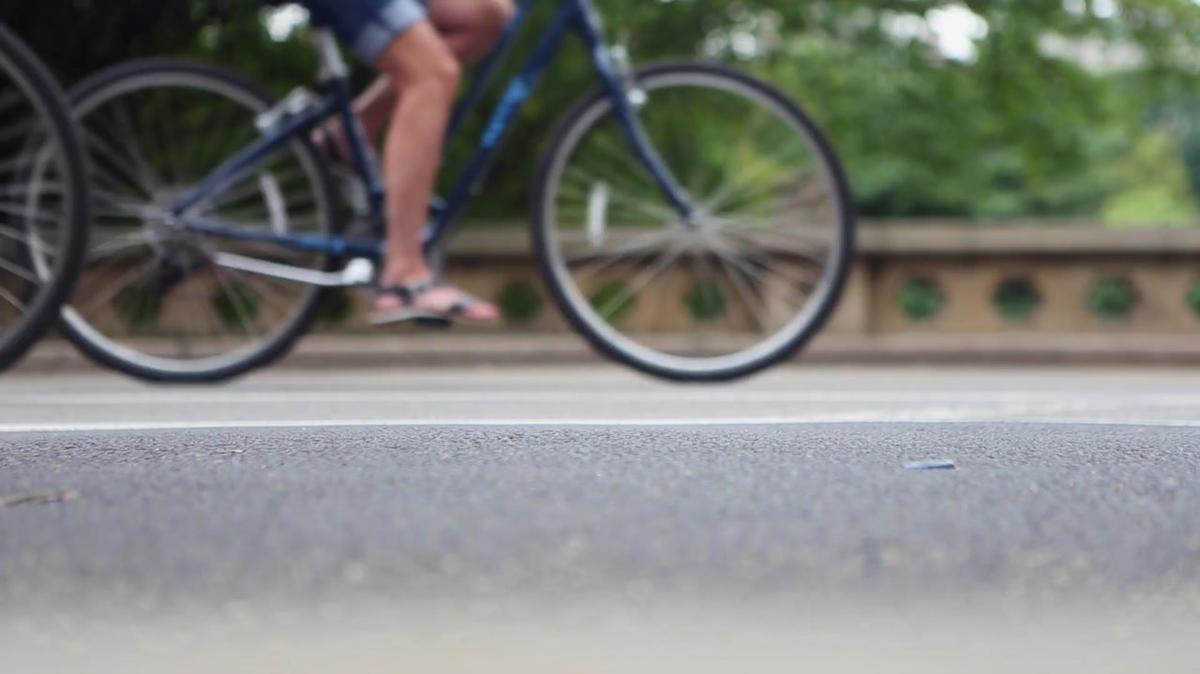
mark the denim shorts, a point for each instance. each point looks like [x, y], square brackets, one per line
[366, 26]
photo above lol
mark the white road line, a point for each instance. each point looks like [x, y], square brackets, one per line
[129, 426]
[423, 423]
[166, 397]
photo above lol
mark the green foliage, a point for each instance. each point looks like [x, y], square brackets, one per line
[706, 302]
[613, 301]
[77, 37]
[235, 305]
[139, 306]
[520, 302]
[1156, 188]
[1017, 299]
[336, 307]
[921, 300]
[1057, 109]
[1193, 298]
[1113, 298]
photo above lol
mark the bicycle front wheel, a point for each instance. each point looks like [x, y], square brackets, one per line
[43, 199]
[748, 279]
[153, 302]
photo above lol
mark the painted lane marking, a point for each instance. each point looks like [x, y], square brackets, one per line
[578, 423]
[101, 398]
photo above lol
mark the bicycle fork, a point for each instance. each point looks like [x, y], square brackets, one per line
[617, 74]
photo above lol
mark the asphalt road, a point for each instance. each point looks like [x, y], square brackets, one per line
[444, 519]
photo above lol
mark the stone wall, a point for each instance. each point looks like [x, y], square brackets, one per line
[911, 278]
[926, 277]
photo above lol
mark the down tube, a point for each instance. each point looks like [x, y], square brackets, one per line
[518, 92]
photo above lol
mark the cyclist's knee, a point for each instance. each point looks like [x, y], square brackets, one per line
[445, 74]
[437, 83]
[497, 14]
[421, 62]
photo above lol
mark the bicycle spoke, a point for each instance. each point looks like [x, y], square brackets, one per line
[258, 285]
[22, 211]
[113, 174]
[211, 321]
[791, 277]
[705, 278]
[12, 300]
[151, 179]
[628, 167]
[245, 187]
[796, 201]
[767, 225]
[18, 271]
[115, 244]
[597, 262]
[17, 166]
[14, 234]
[116, 286]
[171, 151]
[753, 301]
[584, 179]
[781, 244]
[640, 281]
[234, 302]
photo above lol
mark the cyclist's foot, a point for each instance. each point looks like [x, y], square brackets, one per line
[429, 302]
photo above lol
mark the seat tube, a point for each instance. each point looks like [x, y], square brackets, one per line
[335, 74]
[333, 65]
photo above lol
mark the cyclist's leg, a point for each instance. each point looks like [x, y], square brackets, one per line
[470, 28]
[426, 75]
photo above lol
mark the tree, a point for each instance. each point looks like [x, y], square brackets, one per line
[1036, 120]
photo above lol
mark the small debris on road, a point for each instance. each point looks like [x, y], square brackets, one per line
[941, 464]
[36, 499]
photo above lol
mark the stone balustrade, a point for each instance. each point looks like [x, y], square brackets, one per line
[910, 278]
[938, 276]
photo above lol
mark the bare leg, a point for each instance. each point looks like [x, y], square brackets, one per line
[470, 28]
[413, 97]
[427, 78]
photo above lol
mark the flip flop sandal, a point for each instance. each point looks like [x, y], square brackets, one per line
[410, 314]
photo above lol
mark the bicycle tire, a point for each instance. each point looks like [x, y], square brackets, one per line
[163, 371]
[568, 300]
[43, 301]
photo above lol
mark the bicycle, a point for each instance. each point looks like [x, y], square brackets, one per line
[220, 251]
[43, 199]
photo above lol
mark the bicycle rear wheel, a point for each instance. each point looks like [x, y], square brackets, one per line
[43, 199]
[152, 302]
[748, 281]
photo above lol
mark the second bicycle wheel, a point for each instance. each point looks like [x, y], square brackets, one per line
[152, 301]
[748, 279]
[43, 199]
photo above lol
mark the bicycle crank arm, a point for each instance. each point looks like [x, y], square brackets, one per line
[358, 272]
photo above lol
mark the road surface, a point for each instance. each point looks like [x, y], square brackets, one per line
[584, 519]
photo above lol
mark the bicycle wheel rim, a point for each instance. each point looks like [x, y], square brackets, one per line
[580, 307]
[219, 293]
[42, 224]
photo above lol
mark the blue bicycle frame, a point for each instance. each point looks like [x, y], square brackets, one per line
[574, 15]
